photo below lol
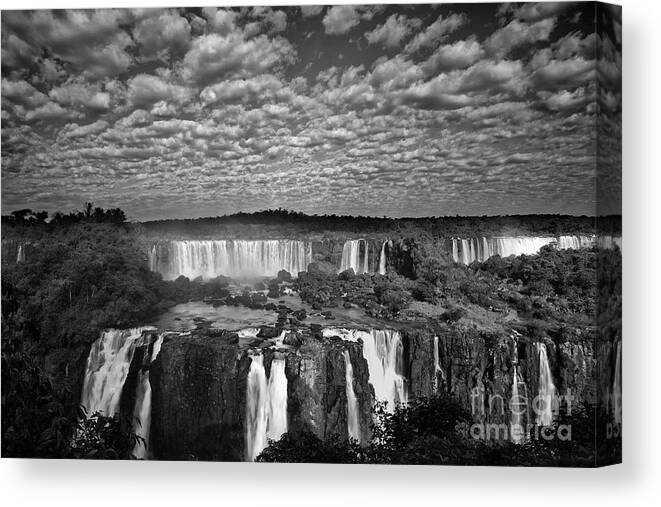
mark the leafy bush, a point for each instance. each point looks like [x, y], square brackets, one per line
[435, 431]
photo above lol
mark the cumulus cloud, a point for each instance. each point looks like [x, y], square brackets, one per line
[565, 100]
[74, 130]
[457, 55]
[391, 33]
[159, 36]
[92, 41]
[436, 32]
[50, 111]
[241, 90]
[342, 18]
[358, 109]
[274, 20]
[20, 92]
[558, 74]
[516, 33]
[394, 73]
[77, 94]
[216, 57]
[147, 89]
[221, 21]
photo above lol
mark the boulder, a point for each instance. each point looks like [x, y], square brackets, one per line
[284, 276]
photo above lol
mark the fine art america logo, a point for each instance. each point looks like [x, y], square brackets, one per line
[529, 419]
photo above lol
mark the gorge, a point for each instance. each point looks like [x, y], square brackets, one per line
[255, 339]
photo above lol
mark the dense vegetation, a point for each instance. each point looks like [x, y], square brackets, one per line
[286, 223]
[86, 273]
[437, 431]
[547, 292]
[88, 270]
[36, 421]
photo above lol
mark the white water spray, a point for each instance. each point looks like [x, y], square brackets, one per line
[383, 350]
[266, 404]
[547, 393]
[517, 409]
[382, 259]
[142, 409]
[352, 258]
[437, 365]
[353, 423]
[277, 400]
[20, 256]
[233, 258]
[467, 251]
[107, 367]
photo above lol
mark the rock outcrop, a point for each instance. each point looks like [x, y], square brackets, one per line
[198, 398]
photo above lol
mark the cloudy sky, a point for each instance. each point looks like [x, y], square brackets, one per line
[403, 110]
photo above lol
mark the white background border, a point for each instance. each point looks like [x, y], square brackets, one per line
[637, 481]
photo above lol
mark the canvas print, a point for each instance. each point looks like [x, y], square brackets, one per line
[377, 234]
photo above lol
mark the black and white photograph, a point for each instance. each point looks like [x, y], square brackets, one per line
[370, 234]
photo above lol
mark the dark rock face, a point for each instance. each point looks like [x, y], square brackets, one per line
[199, 386]
[316, 377]
[477, 368]
[198, 399]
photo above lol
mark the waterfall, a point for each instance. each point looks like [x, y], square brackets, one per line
[353, 424]
[575, 242]
[233, 258]
[437, 366]
[142, 409]
[153, 259]
[382, 259]
[467, 251]
[546, 391]
[277, 396]
[107, 367]
[384, 352]
[617, 385]
[351, 256]
[266, 404]
[20, 256]
[517, 409]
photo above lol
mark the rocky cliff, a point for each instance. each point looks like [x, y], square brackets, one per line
[199, 391]
[477, 367]
[198, 398]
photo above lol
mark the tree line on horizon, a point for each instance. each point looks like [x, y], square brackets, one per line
[463, 226]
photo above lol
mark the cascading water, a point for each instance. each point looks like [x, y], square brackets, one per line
[266, 404]
[617, 385]
[107, 367]
[575, 242]
[256, 415]
[20, 256]
[547, 392]
[517, 409]
[233, 258]
[142, 409]
[382, 259]
[467, 251]
[384, 352]
[353, 423]
[277, 400]
[519, 401]
[437, 365]
[353, 257]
